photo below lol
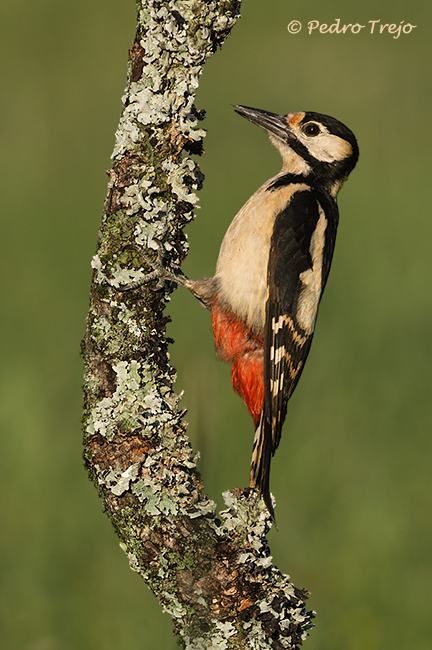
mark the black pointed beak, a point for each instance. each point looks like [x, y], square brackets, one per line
[274, 124]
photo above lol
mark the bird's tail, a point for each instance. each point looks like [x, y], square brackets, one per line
[260, 464]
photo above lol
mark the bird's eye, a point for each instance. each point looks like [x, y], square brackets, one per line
[311, 129]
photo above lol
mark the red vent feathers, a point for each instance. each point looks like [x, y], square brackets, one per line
[236, 342]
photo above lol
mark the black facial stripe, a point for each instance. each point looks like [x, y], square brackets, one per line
[323, 173]
[302, 151]
[287, 179]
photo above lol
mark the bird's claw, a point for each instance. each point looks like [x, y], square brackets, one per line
[159, 272]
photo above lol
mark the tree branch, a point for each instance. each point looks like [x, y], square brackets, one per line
[214, 576]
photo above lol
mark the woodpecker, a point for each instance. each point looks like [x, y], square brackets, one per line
[272, 269]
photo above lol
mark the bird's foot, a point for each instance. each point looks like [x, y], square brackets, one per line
[159, 273]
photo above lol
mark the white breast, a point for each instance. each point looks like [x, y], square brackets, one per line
[241, 268]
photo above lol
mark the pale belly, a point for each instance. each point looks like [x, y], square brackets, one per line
[242, 264]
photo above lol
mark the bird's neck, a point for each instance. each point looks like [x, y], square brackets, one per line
[321, 183]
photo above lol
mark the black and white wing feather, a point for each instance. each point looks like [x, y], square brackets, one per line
[301, 249]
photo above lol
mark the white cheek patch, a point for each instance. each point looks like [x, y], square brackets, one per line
[312, 279]
[326, 147]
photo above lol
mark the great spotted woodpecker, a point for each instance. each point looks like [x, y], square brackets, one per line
[272, 269]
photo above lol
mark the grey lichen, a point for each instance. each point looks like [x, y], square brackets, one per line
[213, 574]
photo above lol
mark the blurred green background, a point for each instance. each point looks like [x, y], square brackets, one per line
[352, 476]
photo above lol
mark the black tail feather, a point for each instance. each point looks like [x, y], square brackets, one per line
[260, 464]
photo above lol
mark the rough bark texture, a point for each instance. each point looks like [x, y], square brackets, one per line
[214, 575]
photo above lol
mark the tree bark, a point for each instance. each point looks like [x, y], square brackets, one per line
[212, 574]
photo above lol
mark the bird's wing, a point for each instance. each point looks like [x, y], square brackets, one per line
[297, 271]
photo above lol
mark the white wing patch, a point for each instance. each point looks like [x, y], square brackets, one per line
[312, 279]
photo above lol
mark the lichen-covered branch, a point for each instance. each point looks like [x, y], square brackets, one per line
[212, 574]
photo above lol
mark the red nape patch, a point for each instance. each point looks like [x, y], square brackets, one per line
[232, 337]
[247, 374]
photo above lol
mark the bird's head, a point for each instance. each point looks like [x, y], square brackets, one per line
[310, 144]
